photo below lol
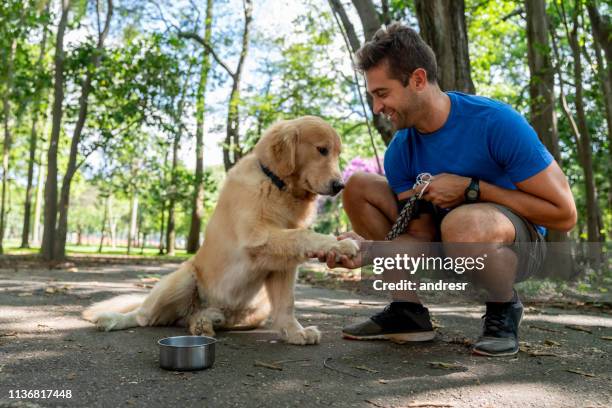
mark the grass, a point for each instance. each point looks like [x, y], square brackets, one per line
[12, 248]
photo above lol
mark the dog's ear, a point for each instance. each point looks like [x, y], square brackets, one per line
[277, 148]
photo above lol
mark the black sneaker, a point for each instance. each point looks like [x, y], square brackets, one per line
[500, 329]
[399, 321]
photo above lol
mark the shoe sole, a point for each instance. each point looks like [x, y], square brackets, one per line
[398, 337]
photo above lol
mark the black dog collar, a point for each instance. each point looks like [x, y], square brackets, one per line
[275, 179]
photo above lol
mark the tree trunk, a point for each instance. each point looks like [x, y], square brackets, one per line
[581, 133]
[162, 227]
[133, 219]
[6, 148]
[370, 21]
[27, 211]
[49, 232]
[104, 221]
[112, 224]
[541, 88]
[541, 83]
[197, 208]
[584, 145]
[39, 198]
[232, 151]
[442, 26]
[171, 231]
[86, 88]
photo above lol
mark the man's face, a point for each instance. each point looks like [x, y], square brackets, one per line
[400, 104]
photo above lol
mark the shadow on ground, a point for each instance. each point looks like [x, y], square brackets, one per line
[45, 345]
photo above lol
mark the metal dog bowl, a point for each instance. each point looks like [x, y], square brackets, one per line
[186, 353]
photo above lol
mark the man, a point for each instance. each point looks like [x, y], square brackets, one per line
[493, 182]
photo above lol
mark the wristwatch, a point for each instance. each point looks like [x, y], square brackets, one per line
[472, 192]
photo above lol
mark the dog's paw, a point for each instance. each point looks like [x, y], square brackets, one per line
[108, 321]
[201, 327]
[301, 337]
[348, 247]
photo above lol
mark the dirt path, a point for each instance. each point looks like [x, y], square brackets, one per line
[45, 345]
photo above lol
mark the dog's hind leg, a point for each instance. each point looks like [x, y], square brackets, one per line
[173, 297]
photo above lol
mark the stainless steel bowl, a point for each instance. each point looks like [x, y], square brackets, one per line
[186, 353]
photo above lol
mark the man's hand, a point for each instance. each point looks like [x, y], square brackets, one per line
[445, 190]
[332, 259]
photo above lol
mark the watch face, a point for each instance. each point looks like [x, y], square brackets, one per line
[472, 194]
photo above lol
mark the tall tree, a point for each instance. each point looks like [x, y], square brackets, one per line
[34, 134]
[370, 21]
[197, 205]
[541, 80]
[11, 30]
[579, 125]
[86, 88]
[50, 211]
[173, 190]
[442, 26]
[541, 85]
[232, 149]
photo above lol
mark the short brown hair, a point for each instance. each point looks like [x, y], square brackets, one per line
[404, 51]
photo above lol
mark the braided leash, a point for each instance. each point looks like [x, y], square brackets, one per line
[410, 210]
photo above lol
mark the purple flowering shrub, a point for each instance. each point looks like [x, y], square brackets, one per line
[360, 164]
[331, 218]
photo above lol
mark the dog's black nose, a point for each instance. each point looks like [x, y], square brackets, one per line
[336, 186]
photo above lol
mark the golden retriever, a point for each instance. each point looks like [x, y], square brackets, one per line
[246, 268]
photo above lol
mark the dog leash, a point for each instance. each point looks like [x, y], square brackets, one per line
[411, 209]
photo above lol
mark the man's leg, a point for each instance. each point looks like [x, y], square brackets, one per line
[372, 209]
[495, 228]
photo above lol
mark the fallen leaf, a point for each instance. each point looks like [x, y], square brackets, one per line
[149, 280]
[24, 294]
[606, 337]
[577, 371]
[381, 381]
[364, 368]
[536, 353]
[71, 376]
[579, 328]
[549, 342]
[533, 326]
[8, 334]
[271, 366]
[445, 366]
[50, 290]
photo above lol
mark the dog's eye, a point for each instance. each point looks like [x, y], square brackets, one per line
[323, 150]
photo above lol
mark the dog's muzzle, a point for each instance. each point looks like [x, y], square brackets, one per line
[336, 187]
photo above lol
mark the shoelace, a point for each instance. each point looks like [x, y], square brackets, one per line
[494, 322]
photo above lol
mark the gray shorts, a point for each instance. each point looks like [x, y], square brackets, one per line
[530, 244]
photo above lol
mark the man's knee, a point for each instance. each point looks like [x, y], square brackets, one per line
[355, 187]
[476, 223]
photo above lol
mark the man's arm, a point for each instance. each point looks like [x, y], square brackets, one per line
[544, 199]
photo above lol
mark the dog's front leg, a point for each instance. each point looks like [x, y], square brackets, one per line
[280, 286]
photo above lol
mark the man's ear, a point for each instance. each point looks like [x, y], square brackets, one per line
[277, 148]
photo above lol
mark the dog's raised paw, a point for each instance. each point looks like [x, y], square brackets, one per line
[346, 247]
[307, 335]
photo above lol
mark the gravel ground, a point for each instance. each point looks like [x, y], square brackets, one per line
[44, 345]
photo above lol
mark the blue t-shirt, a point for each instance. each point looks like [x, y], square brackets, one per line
[481, 138]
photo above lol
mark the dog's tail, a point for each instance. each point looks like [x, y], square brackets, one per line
[118, 304]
